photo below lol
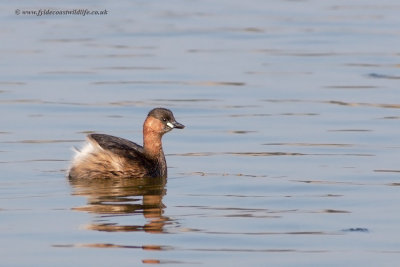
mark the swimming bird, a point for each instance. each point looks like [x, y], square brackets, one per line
[106, 156]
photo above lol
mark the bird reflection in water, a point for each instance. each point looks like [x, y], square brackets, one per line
[110, 198]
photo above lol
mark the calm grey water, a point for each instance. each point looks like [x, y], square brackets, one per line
[289, 157]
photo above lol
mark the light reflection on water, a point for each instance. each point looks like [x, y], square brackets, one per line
[113, 198]
[289, 157]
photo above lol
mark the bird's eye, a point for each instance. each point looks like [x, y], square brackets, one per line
[164, 119]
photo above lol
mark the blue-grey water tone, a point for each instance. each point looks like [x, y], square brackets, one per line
[290, 155]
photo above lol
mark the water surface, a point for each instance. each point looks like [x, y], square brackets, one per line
[289, 157]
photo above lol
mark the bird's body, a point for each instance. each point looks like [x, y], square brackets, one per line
[106, 156]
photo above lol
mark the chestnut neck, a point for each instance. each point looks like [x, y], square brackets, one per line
[153, 130]
[152, 144]
[152, 135]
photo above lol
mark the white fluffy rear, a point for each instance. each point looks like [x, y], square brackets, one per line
[87, 150]
[93, 160]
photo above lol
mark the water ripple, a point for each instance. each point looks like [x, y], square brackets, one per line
[383, 76]
[269, 154]
[336, 102]
[199, 83]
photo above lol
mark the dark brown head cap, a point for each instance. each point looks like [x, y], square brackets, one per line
[166, 117]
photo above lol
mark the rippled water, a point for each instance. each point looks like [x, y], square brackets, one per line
[289, 157]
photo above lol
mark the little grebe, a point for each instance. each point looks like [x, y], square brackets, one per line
[106, 156]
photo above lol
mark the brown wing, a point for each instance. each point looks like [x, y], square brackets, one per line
[119, 146]
[134, 156]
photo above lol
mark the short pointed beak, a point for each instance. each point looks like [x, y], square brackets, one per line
[178, 125]
[175, 124]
